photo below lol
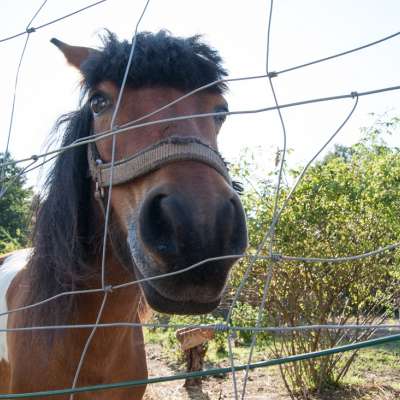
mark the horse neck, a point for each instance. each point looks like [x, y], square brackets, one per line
[121, 305]
[115, 306]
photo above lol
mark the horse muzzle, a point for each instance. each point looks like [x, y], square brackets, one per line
[178, 227]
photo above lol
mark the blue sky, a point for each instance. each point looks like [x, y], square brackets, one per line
[301, 31]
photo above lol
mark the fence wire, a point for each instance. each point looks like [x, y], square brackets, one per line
[209, 372]
[268, 239]
[30, 29]
[14, 97]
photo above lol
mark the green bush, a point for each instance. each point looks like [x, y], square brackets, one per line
[347, 204]
[15, 200]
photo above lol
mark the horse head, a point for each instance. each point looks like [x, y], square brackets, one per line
[172, 198]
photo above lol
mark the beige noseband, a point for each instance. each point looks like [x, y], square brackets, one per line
[152, 158]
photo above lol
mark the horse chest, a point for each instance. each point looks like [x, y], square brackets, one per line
[11, 266]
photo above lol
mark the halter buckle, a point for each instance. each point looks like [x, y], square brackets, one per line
[99, 191]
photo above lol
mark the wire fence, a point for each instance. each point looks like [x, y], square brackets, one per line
[272, 257]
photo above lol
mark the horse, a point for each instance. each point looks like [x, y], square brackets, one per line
[173, 204]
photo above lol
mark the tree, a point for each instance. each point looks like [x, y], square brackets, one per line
[14, 207]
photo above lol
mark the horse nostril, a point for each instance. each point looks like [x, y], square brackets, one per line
[156, 222]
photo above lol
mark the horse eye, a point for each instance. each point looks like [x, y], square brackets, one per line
[220, 119]
[98, 103]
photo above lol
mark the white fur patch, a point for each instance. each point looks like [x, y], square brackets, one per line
[11, 266]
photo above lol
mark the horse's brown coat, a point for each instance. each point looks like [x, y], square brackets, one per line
[116, 354]
[39, 361]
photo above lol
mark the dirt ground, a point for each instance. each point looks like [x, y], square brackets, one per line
[263, 384]
[220, 387]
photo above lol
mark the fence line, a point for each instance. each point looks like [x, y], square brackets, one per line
[87, 344]
[30, 30]
[2, 172]
[210, 372]
[214, 327]
[390, 247]
[344, 53]
[108, 133]
[275, 216]
[108, 204]
[273, 257]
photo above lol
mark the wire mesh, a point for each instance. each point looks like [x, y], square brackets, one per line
[268, 239]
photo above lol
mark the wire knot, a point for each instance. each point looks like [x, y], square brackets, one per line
[30, 30]
[221, 327]
[272, 74]
[354, 94]
[275, 257]
[108, 289]
[34, 157]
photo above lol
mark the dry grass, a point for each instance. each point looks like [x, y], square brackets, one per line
[374, 376]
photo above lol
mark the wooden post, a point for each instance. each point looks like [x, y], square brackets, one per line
[193, 344]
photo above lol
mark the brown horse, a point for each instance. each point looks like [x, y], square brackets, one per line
[172, 205]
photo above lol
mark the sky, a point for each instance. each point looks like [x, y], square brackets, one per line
[300, 32]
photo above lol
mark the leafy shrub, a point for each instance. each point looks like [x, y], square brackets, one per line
[347, 204]
[14, 207]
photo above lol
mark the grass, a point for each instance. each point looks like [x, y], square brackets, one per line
[378, 364]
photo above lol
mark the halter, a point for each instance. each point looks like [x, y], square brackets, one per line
[152, 158]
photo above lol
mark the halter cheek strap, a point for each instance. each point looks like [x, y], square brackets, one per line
[152, 158]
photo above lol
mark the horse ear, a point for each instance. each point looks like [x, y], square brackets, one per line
[75, 55]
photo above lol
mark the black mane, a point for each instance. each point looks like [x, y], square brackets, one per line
[65, 236]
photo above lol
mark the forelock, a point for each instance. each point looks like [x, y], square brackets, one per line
[159, 59]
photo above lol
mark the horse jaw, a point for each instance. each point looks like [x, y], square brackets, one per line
[167, 294]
